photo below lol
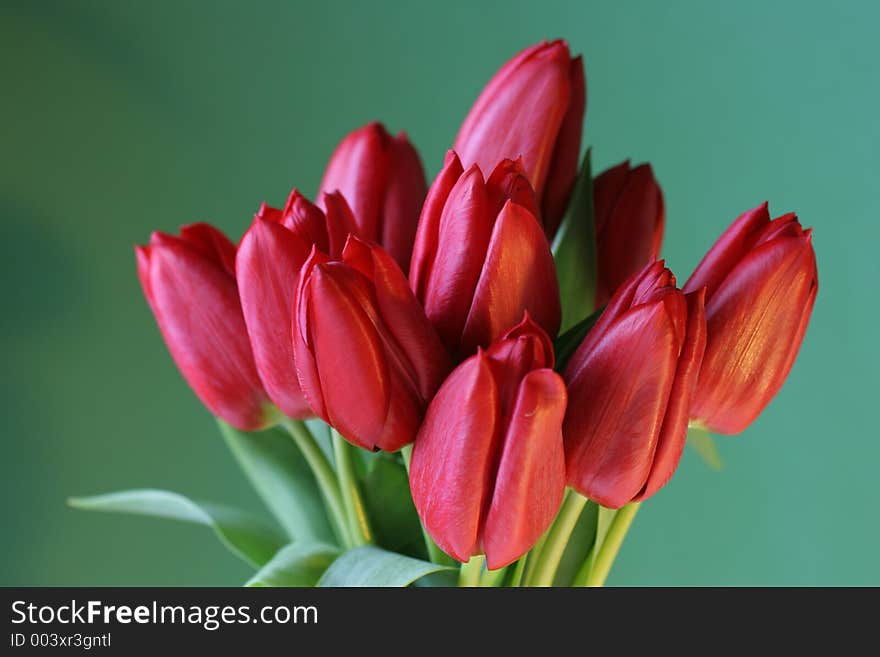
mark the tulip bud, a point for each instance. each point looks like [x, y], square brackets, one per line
[268, 263]
[533, 108]
[480, 258]
[629, 224]
[366, 356]
[630, 385]
[382, 178]
[488, 467]
[189, 283]
[761, 282]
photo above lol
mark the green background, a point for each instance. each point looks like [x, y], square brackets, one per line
[118, 118]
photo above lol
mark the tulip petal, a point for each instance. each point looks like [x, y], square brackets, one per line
[340, 222]
[731, 247]
[530, 481]
[564, 163]
[267, 270]
[518, 275]
[755, 323]
[428, 233]
[348, 353]
[673, 434]
[629, 225]
[414, 345]
[305, 219]
[359, 169]
[211, 243]
[451, 465]
[618, 393]
[200, 317]
[403, 200]
[519, 113]
[462, 239]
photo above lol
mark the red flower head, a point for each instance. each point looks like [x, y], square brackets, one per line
[761, 282]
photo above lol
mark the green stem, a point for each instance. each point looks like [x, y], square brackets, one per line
[358, 524]
[470, 572]
[435, 554]
[493, 578]
[604, 559]
[518, 570]
[557, 539]
[323, 471]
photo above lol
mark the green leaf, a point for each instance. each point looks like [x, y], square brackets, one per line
[297, 564]
[282, 477]
[372, 566]
[567, 343]
[250, 538]
[704, 444]
[390, 508]
[574, 251]
[579, 545]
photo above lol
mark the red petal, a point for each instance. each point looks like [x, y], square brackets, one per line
[519, 113]
[267, 270]
[673, 434]
[348, 354]
[427, 235]
[200, 317]
[403, 200]
[629, 225]
[531, 476]
[617, 399]
[755, 323]
[358, 169]
[211, 243]
[305, 219]
[518, 275]
[508, 182]
[728, 250]
[564, 163]
[462, 239]
[303, 356]
[340, 222]
[451, 461]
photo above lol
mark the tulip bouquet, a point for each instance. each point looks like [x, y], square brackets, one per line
[476, 382]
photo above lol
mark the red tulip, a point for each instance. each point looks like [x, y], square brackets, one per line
[189, 282]
[630, 385]
[382, 178]
[488, 466]
[366, 356]
[629, 224]
[268, 263]
[761, 282]
[480, 257]
[533, 108]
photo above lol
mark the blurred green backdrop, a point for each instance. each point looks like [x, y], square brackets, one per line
[119, 118]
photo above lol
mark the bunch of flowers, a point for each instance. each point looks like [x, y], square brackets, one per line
[477, 381]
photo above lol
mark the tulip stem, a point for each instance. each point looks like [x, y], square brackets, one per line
[470, 572]
[557, 540]
[358, 523]
[518, 570]
[323, 471]
[435, 554]
[604, 559]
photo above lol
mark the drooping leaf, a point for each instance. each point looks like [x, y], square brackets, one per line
[283, 479]
[574, 251]
[704, 445]
[248, 537]
[296, 564]
[390, 508]
[372, 566]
